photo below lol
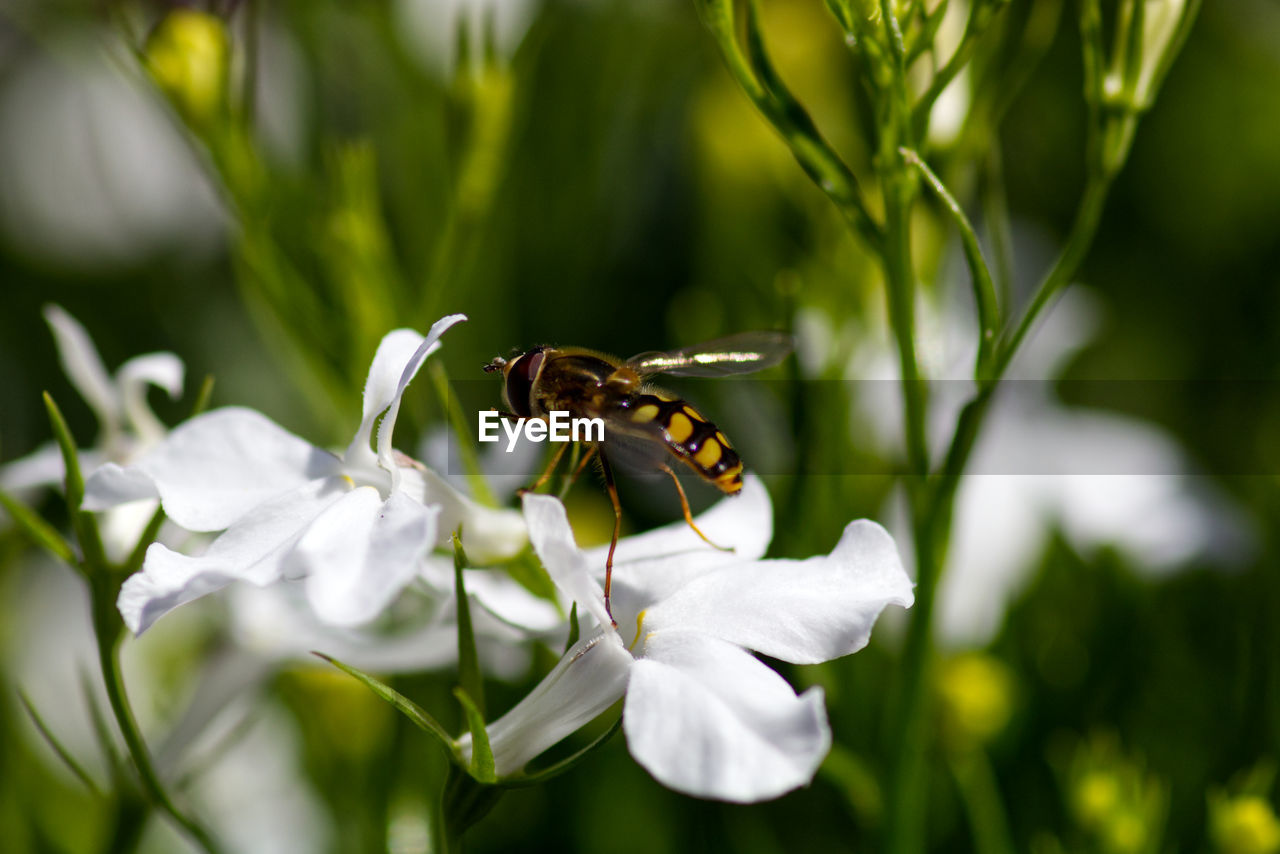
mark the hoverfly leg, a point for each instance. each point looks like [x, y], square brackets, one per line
[617, 529]
[688, 516]
[582, 465]
[555, 461]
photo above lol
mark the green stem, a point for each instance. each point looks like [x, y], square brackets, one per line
[980, 794]
[109, 633]
[463, 802]
[984, 289]
[1083, 229]
[907, 802]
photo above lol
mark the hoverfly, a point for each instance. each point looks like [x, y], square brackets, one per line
[645, 428]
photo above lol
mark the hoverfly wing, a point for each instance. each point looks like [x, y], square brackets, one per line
[743, 353]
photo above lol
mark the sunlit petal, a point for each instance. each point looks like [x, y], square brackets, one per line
[590, 678]
[164, 370]
[803, 611]
[489, 535]
[394, 352]
[568, 566]
[387, 427]
[360, 552]
[664, 559]
[215, 468]
[708, 719]
[111, 485]
[83, 366]
[253, 550]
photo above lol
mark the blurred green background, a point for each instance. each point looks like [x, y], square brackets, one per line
[600, 181]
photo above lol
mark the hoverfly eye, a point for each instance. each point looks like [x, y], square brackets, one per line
[521, 375]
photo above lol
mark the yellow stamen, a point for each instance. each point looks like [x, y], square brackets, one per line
[639, 629]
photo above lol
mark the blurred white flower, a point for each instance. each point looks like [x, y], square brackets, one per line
[95, 173]
[357, 526]
[417, 632]
[702, 714]
[1102, 479]
[431, 28]
[127, 426]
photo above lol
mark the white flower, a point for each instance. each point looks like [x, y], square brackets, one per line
[702, 714]
[1102, 479]
[431, 28]
[127, 426]
[357, 526]
[417, 632]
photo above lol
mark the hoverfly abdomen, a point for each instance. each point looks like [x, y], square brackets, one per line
[690, 437]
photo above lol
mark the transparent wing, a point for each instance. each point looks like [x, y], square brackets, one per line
[736, 354]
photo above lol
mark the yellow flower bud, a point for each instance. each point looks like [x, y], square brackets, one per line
[1244, 825]
[1095, 799]
[188, 56]
[976, 693]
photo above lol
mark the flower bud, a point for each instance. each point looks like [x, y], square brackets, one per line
[976, 694]
[1161, 20]
[188, 56]
[1245, 824]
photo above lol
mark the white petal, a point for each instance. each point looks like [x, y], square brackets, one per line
[662, 560]
[589, 679]
[567, 565]
[41, 467]
[398, 358]
[708, 719]
[253, 550]
[489, 535]
[83, 366]
[123, 526]
[387, 427]
[216, 467]
[509, 601]
[394, 352]
[112, 485]
[159, 369]
[278, 622]
[361, 552]
[802, 611]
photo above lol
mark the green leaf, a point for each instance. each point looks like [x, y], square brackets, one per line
[40, 531]
[415, 713]
[482, 765]
[120, 775]
[74, 479]
[468, 660]
[575, 630]
[849, 773]
[555, 769]
[984, 289]
[84, 524]
[203, 396]
[63, 754]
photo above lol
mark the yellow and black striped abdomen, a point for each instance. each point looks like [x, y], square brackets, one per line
[689, 436]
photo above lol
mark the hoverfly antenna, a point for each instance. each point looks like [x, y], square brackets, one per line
[497, 364]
